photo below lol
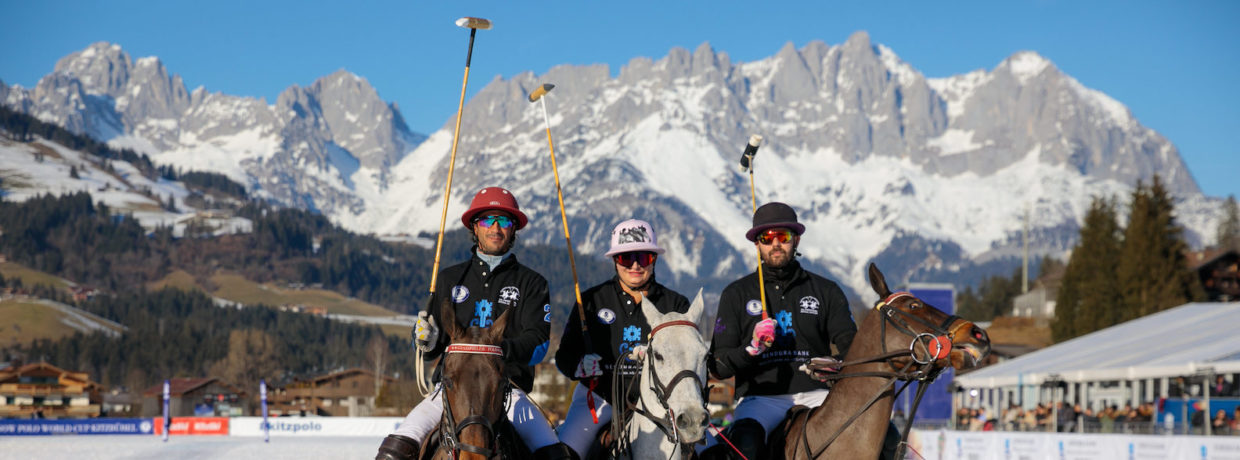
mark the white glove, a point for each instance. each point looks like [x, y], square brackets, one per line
[425, 332]
[589, 367]
[638, 353]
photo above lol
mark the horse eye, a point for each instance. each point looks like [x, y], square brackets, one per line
[657, 355]
[914, 305]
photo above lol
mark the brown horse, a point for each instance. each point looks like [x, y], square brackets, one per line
[475, 391]
[903, 339]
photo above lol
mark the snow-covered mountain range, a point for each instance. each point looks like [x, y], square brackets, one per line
[932, 178]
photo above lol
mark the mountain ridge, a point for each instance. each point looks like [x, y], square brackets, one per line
[868, 150]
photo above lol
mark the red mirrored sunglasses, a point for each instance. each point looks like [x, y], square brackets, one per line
[782, 235]
[626, 259]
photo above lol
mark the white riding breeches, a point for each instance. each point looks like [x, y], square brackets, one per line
[579, 429]
[769, 410]
[528, 421]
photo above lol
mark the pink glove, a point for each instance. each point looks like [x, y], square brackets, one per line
[763, 336]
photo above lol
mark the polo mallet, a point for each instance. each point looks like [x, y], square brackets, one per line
[537, 96]
[751, 149]
[473, 24]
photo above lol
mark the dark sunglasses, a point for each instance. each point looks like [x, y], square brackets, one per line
[488, 221]
[626, 259]
[782, 235]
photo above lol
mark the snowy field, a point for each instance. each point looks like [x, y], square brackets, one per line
[187, 447]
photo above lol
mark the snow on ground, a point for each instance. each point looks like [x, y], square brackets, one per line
[187, 447]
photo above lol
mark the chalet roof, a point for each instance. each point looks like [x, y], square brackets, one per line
[43, 369]
[343, 374]
[181, 386]
[1177, 342]
[1198, 259]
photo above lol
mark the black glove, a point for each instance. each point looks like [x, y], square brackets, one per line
[821, 368]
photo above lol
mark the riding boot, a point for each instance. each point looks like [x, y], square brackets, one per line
[749, 438]
[891, 442]
[716, 452]
[557, 451]
[397, 447]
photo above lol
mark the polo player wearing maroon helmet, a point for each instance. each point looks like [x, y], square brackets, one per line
[481, 289]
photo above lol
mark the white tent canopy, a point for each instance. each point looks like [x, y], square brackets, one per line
[1177, 342]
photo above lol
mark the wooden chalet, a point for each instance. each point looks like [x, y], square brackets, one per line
[41, 390]
[348, 393]
[197, 397]
[1219, 272]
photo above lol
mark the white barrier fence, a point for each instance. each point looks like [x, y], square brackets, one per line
[1007, 445]
[315, 426]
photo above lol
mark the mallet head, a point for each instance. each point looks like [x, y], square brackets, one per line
[541, 91]
[751, 149]
[474, 23]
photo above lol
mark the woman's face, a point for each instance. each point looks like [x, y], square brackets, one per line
[637, 271]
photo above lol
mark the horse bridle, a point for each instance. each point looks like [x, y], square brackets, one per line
[667, 422]
[449, 430]
[921, 369]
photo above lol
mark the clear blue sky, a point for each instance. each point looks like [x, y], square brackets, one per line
[1173, 63]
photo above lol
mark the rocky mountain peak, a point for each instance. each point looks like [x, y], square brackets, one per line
[103, 68]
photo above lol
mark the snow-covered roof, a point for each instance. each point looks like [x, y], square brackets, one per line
[1175, 342]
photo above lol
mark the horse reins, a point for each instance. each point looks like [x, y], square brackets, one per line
[449, 430]
[924, 372]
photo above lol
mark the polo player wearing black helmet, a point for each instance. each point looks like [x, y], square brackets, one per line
[807, 313]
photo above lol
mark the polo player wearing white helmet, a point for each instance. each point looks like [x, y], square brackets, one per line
[616, 325]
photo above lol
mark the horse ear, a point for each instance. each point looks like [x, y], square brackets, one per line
[495, 333]
[447, 316]
[878, 282]
[695, 308]
[653, 317]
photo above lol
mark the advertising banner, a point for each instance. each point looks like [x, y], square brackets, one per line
[195, 426]
[79, 426]
[963, 445]
[316, 426]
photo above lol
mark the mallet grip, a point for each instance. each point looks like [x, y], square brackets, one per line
[751, 149]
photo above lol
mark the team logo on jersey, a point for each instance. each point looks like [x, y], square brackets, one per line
[606, 316]
[547, 313]
[459, 293]
[754, 307]
[632, 336]
[784, 334]
[809, 304]
[509, 295]
[482, 314]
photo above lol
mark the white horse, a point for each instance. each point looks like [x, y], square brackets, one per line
[671, 415]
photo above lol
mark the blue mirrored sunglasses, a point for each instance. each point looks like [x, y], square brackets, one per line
[488, 221]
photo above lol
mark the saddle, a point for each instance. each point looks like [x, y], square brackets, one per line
[777, 438]
[507, 442]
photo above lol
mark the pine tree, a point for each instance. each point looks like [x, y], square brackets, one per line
[1153, 275]
[1088, 293]
[73, 172]
[1228, 236]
